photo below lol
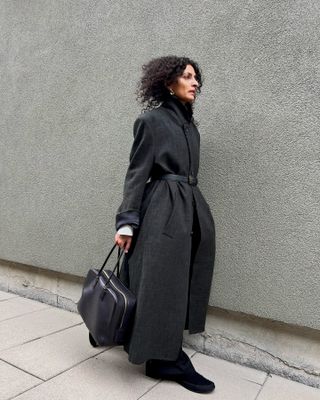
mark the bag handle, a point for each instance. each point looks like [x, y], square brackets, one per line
[117, 263]
[116, 267]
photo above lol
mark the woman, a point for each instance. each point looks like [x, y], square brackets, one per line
[165, 225]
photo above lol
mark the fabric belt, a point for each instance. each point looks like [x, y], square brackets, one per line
[193, 181]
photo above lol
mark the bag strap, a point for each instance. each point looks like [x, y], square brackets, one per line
[112, 272]
[117, 264]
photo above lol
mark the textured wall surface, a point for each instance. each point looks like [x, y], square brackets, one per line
[68, 71]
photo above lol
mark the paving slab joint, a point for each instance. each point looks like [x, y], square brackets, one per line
[262, 386]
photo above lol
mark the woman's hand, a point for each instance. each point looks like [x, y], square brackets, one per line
[123, 241]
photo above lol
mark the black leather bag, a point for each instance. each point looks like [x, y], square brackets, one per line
[107, 306]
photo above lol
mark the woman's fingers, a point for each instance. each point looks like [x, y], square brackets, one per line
[127, 244]
[116, 239]
[123, 241]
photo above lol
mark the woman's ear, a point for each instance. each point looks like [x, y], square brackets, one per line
[170, 91]
[169, 88]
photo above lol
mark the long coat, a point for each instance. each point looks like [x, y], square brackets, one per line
[157, 266]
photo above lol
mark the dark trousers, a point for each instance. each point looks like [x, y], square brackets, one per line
[195, 233]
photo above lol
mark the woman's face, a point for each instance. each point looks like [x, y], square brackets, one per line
[185, 86]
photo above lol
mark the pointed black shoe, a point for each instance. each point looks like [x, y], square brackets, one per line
[181, 371]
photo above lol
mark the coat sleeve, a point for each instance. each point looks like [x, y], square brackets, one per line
[139, 169]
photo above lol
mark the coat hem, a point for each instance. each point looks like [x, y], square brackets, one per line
[193, 331]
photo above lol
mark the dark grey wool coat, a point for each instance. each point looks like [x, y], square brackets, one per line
[157, 266]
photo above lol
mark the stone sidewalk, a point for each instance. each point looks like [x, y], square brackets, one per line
[45, 354]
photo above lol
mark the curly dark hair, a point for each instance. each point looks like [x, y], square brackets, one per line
[158, 73]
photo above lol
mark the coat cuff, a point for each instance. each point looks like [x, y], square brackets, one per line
[128, 218]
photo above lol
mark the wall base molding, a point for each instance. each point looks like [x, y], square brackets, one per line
[50, 287]
[272, 346]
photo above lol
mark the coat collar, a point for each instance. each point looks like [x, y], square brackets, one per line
[184, 112]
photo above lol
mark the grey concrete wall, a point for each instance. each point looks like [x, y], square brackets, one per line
[68, 74]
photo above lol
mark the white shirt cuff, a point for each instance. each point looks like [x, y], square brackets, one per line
[125, 230]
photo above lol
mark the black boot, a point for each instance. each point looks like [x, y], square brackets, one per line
[181, 371]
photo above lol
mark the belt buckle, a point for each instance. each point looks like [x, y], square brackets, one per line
[192, 180]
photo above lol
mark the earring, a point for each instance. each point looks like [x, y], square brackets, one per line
[171, 92]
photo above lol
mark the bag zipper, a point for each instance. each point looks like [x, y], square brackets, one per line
[124, 296]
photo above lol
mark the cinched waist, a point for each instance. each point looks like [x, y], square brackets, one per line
[193, 181]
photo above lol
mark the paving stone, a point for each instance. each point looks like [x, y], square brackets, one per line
[207, 364]
[14, 381]
[188, 351]
[53, 354]
[16, 306]
[6, 295]
[233, 382]
[32, 326]
[278, 388]
[108, 376]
